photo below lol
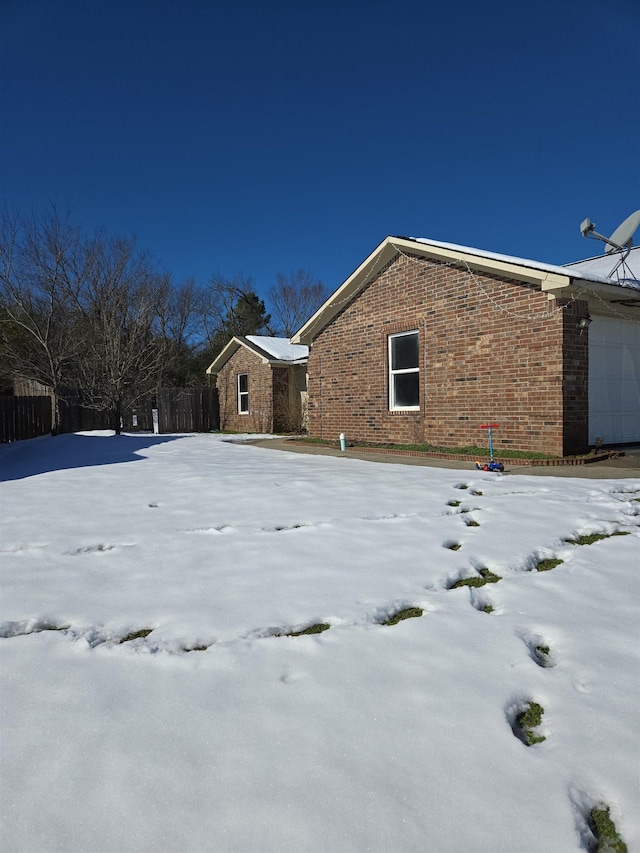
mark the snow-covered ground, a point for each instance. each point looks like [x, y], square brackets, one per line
[363, 738]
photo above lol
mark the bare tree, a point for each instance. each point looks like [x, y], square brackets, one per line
[41, 275]
[293, 299]
[94, 317]
[216, 304]
[178, 309]
[123, 356]
[231, 307]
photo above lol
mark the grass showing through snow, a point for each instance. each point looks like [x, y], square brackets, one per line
[354, 739]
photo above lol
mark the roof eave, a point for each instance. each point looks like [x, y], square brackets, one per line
[234, 344]
[390, 246]
[287, 363]
[223, 356]
[603, 298]
[371, 264]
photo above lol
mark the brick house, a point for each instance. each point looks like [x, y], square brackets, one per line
[261, 384]
[425, 341]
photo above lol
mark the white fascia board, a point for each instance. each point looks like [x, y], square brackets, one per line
[608, 299]
[223, 356]
[545, 276]
[277, 363]
[371, 264]
[502, 265]
[606, 289]
[233, 345]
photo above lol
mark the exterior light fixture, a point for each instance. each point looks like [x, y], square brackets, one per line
[584, 323]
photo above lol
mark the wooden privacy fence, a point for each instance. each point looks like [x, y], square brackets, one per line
[177, 410]
[75, 417]
[24, 417]
[188, 410]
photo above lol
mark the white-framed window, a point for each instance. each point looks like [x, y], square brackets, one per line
[243, 393]
[404, 371]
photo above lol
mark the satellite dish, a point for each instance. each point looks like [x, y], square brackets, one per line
[622, 237]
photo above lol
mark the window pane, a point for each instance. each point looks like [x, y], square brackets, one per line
[243, 382]
[406, 389]
[404, 352]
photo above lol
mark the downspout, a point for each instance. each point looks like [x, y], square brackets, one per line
[321, 409]
[424, 362]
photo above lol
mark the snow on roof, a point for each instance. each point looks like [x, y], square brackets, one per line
[579, 269]
[563, 275]
[627, 272]
[279, 348]
[509, 259]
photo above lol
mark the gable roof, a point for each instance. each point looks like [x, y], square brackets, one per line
[280, 349]
[270, 350]
[549, 277]
[621, 267]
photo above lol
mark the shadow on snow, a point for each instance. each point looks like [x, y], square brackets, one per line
[22, 459]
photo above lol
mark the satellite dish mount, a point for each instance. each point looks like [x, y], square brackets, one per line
[620, 241]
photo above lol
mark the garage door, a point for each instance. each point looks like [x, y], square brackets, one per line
[614, 380]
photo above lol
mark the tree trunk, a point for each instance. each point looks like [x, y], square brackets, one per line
[117, 417]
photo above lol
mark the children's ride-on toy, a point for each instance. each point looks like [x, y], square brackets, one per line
[492, 465]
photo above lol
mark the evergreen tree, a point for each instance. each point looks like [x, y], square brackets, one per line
[247, 316]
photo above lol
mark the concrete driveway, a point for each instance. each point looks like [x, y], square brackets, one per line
[624, 467]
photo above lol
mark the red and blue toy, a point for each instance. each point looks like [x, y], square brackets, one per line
[492, 465]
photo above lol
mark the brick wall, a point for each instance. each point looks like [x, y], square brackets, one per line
[260, 415]
[490, 349]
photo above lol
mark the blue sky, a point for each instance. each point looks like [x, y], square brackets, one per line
[260, 137]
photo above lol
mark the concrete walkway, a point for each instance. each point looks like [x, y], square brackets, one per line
[624, 467]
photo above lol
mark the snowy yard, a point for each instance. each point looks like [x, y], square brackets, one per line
[210, 733]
